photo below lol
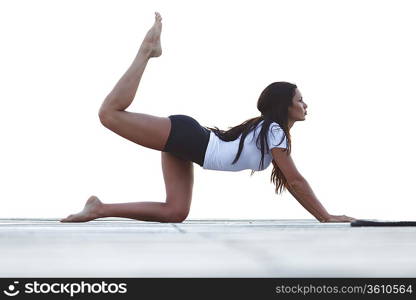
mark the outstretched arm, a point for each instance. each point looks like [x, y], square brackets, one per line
[301, 190]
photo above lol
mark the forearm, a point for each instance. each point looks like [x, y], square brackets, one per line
[304, 195]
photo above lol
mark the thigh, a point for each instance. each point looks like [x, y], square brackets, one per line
[179, 179]
[143, 129]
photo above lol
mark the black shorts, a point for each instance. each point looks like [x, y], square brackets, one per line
[187, 139]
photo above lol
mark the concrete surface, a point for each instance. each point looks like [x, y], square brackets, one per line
[204, 248]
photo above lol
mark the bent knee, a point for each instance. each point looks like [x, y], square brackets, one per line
[105, 116]
[177, 216]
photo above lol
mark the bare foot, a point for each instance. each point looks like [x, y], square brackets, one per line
[90, 211]
[151, 42]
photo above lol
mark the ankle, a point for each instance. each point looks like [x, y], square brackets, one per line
[144, 52]
[101, 211]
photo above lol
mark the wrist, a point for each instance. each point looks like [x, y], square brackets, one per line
[324, 217]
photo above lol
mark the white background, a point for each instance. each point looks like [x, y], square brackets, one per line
[353, 61]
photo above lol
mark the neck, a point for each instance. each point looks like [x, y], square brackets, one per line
[290, 123]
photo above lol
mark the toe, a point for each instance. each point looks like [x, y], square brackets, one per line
[67, 219]
[64, 219]
[158, 17]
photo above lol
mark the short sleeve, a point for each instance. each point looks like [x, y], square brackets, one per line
[275, 136]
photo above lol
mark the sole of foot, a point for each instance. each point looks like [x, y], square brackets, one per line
[90, 211]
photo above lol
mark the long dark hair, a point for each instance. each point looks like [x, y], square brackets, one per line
[273, 104]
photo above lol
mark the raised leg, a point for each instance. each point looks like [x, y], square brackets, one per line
[143, 129]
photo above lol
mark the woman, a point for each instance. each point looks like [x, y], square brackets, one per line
[182, 141]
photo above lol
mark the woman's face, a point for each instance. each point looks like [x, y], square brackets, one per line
[297, 111]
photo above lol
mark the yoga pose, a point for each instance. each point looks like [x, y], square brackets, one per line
[254, 144]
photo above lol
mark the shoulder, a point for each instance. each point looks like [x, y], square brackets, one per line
[274, 125]
[277, 136]
[275, 128]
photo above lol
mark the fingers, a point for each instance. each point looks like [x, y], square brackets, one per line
[347, 218]
[340, 219]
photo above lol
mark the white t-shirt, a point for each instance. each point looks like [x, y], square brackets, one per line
[220, 154]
